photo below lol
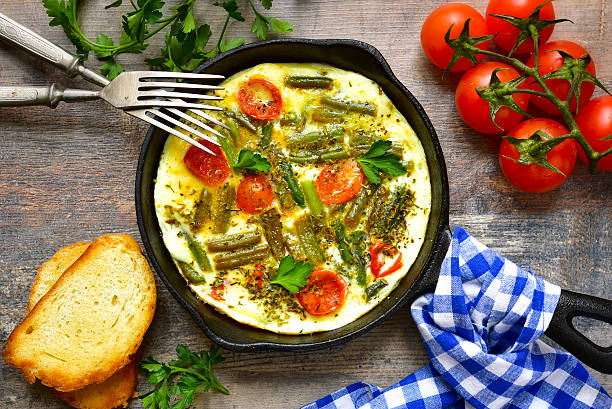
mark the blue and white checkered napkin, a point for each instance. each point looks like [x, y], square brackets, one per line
[481, 330]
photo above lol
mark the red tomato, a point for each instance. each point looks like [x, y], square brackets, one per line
[257, 276]
[339, 182]
[507, 32]
[254, 193]
[533, 178]
[213, 170]
[436, 25]
[550, 61]
[595, 122]
[324, 292]
[260, 99]
[475, 111]
[380, 250]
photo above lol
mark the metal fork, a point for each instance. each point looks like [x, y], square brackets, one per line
[139, 93]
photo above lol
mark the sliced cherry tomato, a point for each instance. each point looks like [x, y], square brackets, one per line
[435, 28]
[595, 122]
[379, 251]
[257, 276]
[217, 292]
[324, 292]
[550, 60]
[339, 182]
[507, 32]
[213, 170]
[475, 111]
[260, 99]
[254, 193]
[533, 178]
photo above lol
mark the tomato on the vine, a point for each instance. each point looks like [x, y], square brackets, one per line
[260, 99]
[550, 60]
[595, 122]
[475, 111]
[212, 169]
[507, 32]
[436, 25]
[534, 178]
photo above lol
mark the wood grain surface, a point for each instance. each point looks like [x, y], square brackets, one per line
[68, 175]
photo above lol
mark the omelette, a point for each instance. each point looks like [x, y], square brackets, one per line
[313, 208]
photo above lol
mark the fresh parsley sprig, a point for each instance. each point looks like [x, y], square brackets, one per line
[378, 159]
[247, 159]
[196, 375]
[185, 42]
[292, 275]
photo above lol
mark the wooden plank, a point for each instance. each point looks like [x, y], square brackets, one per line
[68, 174]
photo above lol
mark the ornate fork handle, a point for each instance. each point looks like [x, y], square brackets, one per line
[50, 96]
[28, 40]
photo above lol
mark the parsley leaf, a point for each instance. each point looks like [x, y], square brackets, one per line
[292, 275]
[232, 9]
[196, 374]
[111, 68]
[267, 4]
[262, 24]
[378, 159]
[248, 159]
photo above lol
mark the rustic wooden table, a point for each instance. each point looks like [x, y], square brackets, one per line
[68, 174]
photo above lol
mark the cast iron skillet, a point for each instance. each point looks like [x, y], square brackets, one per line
[366, 60]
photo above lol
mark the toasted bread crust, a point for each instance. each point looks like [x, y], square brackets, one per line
[113, 392]
[50, 272]
[56, 372]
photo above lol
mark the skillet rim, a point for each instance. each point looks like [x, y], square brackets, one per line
[424, 279]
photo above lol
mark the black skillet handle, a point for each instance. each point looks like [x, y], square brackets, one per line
[562, 330]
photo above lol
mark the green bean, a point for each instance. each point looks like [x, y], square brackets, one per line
[227, 145]
[202, 209]
[334, 209]
[356, 207]
[342, 241]
[241, 257]
[292, 183]
[308, 239]
[303, 81]
[304, 140]
[394, 211]
[294, 246]
[242, 119]
[233, 241]
[233, 129]
[312, 198]
[327, 116]
[357, 238]
[323, 155]
[266, 135]
[290, 118]
[374, 288]
[360, 138]
[191, 274]
[222, 210]
[197, 251]
[273, 230]
[358, 150]
[366, 108]
[374, 212]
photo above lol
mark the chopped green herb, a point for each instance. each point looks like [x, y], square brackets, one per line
[247, 159]
[378, 159]
[292, 275]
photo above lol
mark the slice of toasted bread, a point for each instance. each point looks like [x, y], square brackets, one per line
[117, 389]
[91, 321]
[50, 271]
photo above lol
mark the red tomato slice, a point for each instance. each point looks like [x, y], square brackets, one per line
[533, 178]
[213, 170]
[595, 122]
[550, 60]
[378, 252]
[254, 193]
[324, 292]
[260, 99]
[339, 182]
